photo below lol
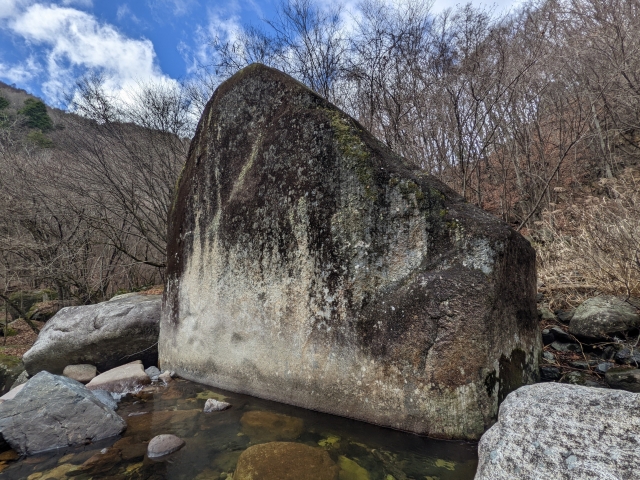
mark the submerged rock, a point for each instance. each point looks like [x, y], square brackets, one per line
[213, 405]
[52, 411]
[263, 426]
[123, 379]
[599, 318]
[162, 445]
[285, 461]
[564, 432]
[106, 335]
[308, 264]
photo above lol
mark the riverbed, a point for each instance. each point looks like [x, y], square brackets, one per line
[214, 441]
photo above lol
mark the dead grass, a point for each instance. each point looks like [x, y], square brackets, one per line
[18, 344]
[592, 245]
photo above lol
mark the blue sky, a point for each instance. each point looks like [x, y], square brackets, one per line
[45, 45]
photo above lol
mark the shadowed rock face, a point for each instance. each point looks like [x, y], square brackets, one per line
[309, 265]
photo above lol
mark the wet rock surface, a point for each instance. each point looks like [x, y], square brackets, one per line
[213, 405]
[123, 379]
[163, 445]
[106, 335]
[564, 432]
[214, 443]
[285, 461]
[52, 411]
[308, 264]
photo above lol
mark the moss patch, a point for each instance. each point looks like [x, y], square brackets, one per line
[352, 147]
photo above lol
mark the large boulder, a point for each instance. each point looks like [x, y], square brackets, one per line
[564, 432]
[600, 318]
[308, 264]
[53, 411]
[106, 335]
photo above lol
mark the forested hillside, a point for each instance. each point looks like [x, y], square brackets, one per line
[533, 116]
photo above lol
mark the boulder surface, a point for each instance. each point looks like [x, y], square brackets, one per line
[52, 411]
[106, 335]
[309, 265]
[564, 432]
[600, 318]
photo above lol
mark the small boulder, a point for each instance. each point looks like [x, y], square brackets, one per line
[285, 461]
[153, 372]
[162, 445]
[126, 327]
[604, 367]
[603, 317]
[559, 431]
[561, 336]
[82, 373]
[123, 379]
[52, 411]
[549, 373]
[213, 405]
[624, 379]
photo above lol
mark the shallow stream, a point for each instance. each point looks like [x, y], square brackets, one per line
[214, 441]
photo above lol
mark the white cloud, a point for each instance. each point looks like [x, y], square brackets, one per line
[20, 73]
[72, 42]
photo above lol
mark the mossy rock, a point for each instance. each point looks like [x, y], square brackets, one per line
[285, 461]
[10, 369]
[264, 426]
[43, 311]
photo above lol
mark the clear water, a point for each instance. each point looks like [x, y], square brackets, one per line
[214, 441]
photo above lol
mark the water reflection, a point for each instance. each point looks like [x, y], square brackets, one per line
[214, 442]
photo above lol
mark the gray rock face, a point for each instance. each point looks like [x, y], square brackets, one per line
[603, 317]
[308, 264]
[106, 335]
[564, 432]
[53, 411]
[106, 398]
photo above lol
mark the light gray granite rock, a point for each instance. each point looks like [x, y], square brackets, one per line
[604, 316]
[123, 379]
[213, 405]
[106, 335]
[82, 373]
[52, 411]
[162, 445]
[563, 432]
